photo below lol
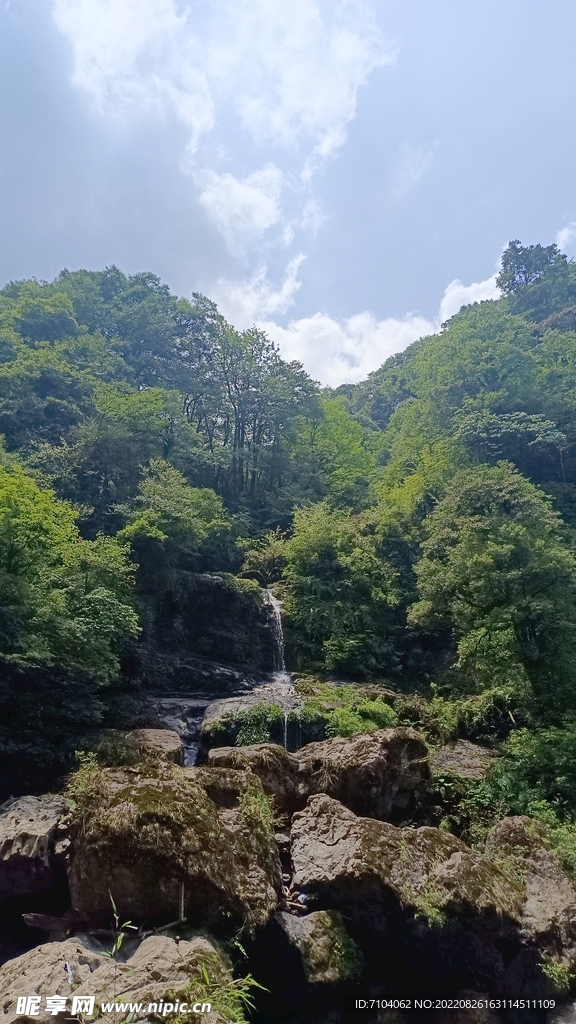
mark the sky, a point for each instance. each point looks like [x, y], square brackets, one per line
[343, 173]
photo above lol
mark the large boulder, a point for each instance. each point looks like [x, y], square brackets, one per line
[117, 747]
[160, 969]
[29, 834]
[374, 774]
[429, 903]
[278, 771]
[168, 842]
[548, 911]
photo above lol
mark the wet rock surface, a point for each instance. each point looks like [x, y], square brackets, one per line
[30, 832]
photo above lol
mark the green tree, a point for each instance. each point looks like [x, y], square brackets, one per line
[63, 600]
[341, 594]
[496, 569]
[186, 521]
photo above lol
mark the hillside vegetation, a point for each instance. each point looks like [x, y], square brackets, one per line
[160, 467]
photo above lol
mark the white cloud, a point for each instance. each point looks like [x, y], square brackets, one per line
[244, 303]
[457, 294]
[287, 72]
[136, 56]
[566, 239]
[335, 352]
[243, 210]
[295, 68]
[290, 70]
[346, 351]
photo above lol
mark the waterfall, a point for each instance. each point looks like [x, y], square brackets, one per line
[277, 634]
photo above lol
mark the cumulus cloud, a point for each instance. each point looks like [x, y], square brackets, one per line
[249, 302]
[335, 352]
[295, 68]
[287, 72]
[291, 71]
[346, 351]
[566, 239]
[243, 210]
[133, 57]
[457, 295]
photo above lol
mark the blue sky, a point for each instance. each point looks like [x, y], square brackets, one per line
[345, 174]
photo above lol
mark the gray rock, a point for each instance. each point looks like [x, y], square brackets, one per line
[431, 904]
[164, 839]
[29, 834]
[374, 774]
[160, 969]
[326, 953]
[117, 747]
[548, 910]
[367, 865]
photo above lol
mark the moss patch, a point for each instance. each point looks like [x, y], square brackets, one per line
[348, 710]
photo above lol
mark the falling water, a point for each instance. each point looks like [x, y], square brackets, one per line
[277, 634]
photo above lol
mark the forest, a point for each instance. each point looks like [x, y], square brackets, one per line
[159, 468]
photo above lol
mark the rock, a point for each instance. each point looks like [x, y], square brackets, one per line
[29, 834]
[117, 747]
[420, 891]
[326, 953]
[374, 774]
[548, 912]
[296, 957]
[256, 717]
[278, 771]
[159, 969]
[52, 969]
[464, 759]
[161, 838]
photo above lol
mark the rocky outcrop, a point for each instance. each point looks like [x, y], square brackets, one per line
[463, 759]
[29, 837]
[422, 891]
[259, 714]
[117, 747]
[374, 774]
[548, 911]
[278, 771]
[168, 842]
[160, 969]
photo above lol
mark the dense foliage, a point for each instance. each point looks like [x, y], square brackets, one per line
[160, 467]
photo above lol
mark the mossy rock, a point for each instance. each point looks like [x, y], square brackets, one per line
[314, 712]
[327, 953]
[419, 895]
[159, 838]
[117, 747]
